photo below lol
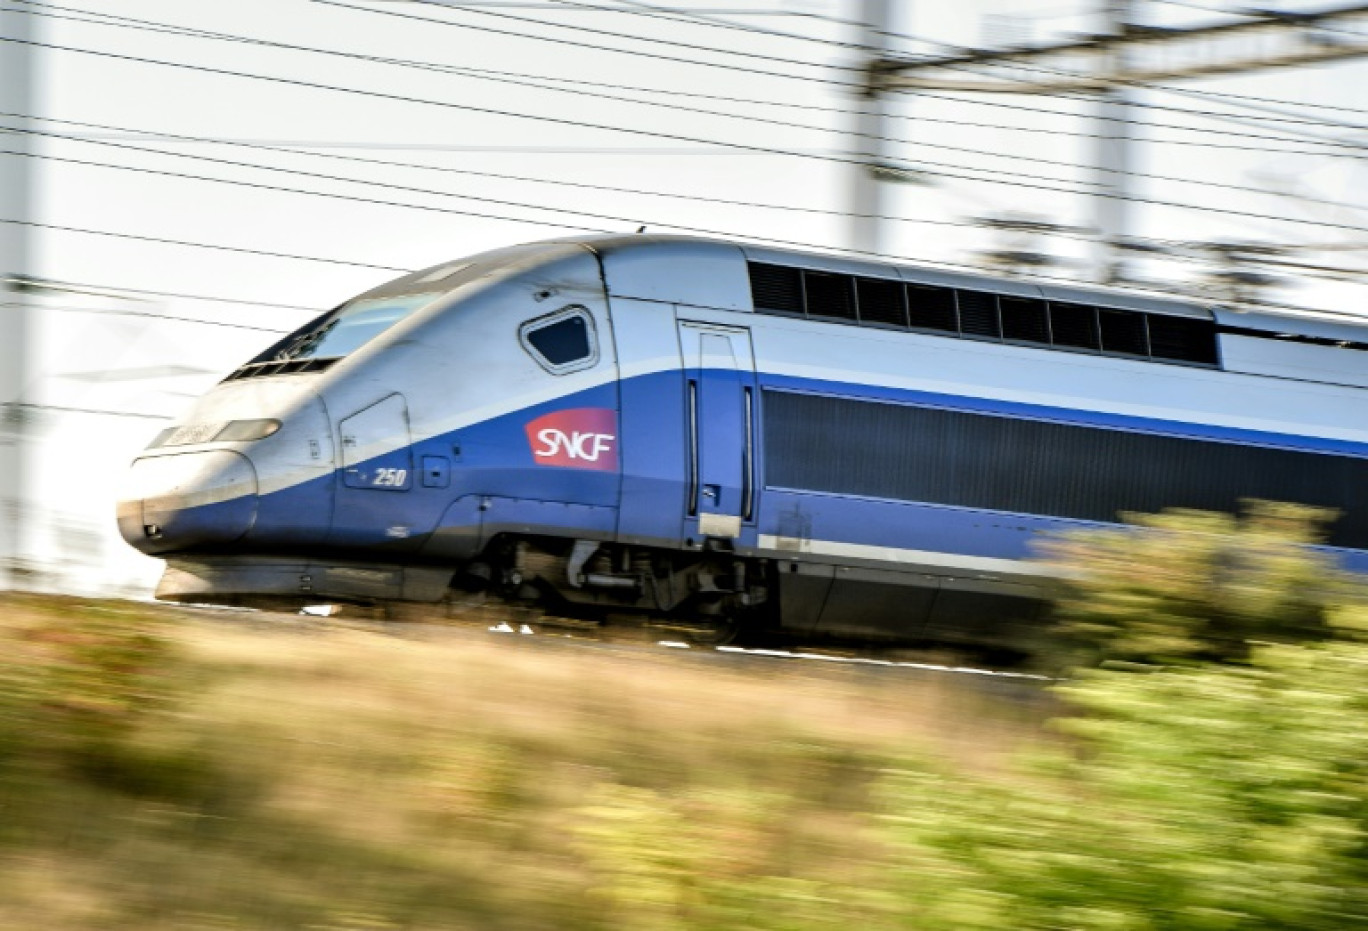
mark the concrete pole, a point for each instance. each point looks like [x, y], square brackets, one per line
[1111, 164]
[868, 151]
[16, 263]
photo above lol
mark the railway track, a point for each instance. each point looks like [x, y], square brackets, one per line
[483, 617]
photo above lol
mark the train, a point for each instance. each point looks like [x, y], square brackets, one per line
[737, 437]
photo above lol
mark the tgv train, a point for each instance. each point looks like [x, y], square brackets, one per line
[731, 434]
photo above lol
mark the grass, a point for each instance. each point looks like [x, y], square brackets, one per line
[161, 770]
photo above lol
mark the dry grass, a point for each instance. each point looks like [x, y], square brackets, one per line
[317, 775]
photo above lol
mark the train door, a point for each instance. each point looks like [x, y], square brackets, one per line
[719, 412]
[377, 470]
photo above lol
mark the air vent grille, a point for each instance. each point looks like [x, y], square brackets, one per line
[1025, 320]
[975, 314]
[777, 288]
[881, 301]
[285, 367]
[829, 296]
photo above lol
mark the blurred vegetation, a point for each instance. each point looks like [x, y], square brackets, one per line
[1223, 797]
[164, 771]
[161, 771]
[1194, 586]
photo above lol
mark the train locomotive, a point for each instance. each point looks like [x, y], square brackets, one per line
[729, 436]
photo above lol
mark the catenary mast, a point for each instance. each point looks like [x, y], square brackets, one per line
[1120, 57]
[16, 266]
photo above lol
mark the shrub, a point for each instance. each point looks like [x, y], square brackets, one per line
[1192, 586]
[1219, 797]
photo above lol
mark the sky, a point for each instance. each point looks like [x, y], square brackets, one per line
[237, 168]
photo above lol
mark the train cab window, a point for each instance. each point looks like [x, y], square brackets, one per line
[563, 341]
[341, 332]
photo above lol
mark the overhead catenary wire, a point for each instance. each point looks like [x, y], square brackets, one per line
[523, 79]
[703, 141]
[442, 169]
[860, 87]
[63, 409]
[809, 245]
[380, 202]
[1237, 100]
[705, 18]
[520, 178]
[154, 315]
[571, 27]
[1242, 100]
[637, 53]
[521, 204]
[1206, 95]
[190, 243]
[773, 241]
[946, 171]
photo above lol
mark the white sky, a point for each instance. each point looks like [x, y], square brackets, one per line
[109, 354]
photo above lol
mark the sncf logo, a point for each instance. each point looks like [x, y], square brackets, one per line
[583, 438]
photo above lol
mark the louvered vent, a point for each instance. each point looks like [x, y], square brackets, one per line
[286, 367]
[932, 308]
[1123, 333]
[1025, 320]
[886, 302]
[829, 296]
[1074, 326]
[1182, 339]
[881, 301]
[776, 288]
[978, 314]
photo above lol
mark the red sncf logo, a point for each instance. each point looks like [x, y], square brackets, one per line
[583, 438]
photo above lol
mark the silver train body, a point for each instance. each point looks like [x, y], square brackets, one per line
[701, 429]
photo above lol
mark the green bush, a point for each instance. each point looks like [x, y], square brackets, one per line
[1224, 797]
[1215, 776]
[1193, 586]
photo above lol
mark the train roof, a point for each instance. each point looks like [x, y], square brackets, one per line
[1310, 324]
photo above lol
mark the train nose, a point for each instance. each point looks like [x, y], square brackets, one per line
[188, 501]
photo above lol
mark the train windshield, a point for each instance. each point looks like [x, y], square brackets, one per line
[349, 327]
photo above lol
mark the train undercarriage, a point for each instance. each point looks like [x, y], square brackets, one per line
[709, 596]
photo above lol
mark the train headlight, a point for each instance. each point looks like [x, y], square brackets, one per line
[233, 431]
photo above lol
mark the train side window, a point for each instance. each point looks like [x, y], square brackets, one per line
[561, 342]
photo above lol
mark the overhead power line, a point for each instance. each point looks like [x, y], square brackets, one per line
[113, 20]
[153, 315]
[458, 171]
[576, 212]
[702, 231]
[441, 169]
[574, 85]
[948, 171]
[704, 18]
[850, 85]
[126, 293]
[199, 245]
[1332, 143]
[87, 410]
[589, 30]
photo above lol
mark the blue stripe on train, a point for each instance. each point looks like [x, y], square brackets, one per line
[493, 458]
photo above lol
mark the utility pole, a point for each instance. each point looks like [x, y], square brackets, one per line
[16, 265]
[1125, 55]
[868, 157]
[1111, 166]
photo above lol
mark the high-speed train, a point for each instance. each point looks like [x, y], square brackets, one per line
[709, 431]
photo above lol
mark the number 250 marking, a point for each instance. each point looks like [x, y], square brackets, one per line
[390, 478]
